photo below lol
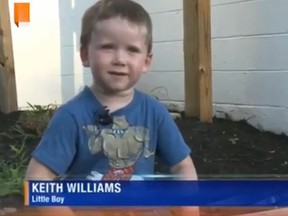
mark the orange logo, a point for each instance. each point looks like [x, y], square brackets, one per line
[21, 13]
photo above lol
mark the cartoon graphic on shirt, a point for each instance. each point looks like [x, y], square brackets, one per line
[122, 145]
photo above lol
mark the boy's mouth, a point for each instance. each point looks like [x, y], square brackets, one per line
[117, 73]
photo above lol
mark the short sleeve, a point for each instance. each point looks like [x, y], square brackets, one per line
[57, 146]
[171, 146]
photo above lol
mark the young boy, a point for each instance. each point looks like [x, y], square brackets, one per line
[84, 140]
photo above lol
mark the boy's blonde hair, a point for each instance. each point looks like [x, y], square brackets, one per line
[106, 9]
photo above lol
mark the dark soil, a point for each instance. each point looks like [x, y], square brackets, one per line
[235, 149]
[224, 149]
[12, 201]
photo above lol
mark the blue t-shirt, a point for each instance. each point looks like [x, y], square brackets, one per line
[76, 145]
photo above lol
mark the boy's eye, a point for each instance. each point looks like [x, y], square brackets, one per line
[107, 46]
[133, 49]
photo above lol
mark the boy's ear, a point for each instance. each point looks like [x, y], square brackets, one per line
[148, 62]
[84, 56]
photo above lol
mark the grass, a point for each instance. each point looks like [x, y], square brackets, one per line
[30, 126]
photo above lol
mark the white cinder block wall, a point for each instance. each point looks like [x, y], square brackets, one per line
[249, 54]
[249, 59]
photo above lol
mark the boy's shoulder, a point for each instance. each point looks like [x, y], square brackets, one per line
[80, 102]
[151, 101]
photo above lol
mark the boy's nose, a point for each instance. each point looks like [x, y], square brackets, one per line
[119, 58]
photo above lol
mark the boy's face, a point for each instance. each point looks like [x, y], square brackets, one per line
[117, 55]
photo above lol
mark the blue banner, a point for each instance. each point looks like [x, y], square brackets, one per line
[157, 193]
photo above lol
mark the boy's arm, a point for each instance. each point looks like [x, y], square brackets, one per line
[172, 148]
[37, 171]
[54, 155]
[176, 154]
[185, 169]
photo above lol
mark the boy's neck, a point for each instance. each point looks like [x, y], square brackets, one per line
[113, 101]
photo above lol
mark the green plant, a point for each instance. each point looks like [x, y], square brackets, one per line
[35, 121]
[12, 172]
[39, 108]
[17, 132]
[30, 126]
[11, 178]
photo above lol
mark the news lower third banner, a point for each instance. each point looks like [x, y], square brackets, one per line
[157, 193]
